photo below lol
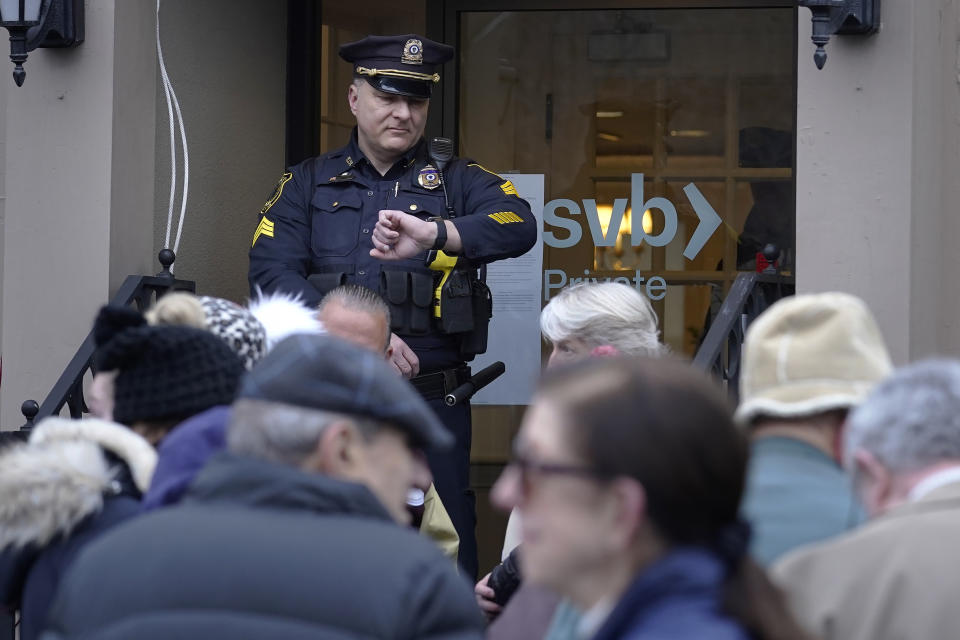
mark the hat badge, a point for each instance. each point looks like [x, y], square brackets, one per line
[412, 52]
[429, 177]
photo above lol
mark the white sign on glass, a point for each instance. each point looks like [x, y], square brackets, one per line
[514, 335]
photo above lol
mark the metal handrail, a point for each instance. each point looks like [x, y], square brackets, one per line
[750, 295]
[141, 291]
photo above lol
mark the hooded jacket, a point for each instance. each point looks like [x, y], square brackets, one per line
[72, 481]
[263, 550]
[678, 597]
[183, 453]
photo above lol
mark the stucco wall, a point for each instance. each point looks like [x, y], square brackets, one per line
[877, 137]
[58, 158]
[85, 163]
[227, 61]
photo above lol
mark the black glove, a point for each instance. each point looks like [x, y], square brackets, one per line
[505, 578]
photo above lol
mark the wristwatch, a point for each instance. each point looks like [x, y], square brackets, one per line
[441, 240]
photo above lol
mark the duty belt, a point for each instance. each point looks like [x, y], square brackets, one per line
[434, 386]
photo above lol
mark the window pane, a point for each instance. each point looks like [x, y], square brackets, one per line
[700, 102]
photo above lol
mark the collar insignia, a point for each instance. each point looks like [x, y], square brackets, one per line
[412, 52]
[429, 177]
[346, 176]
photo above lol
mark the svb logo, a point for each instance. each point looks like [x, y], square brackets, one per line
[709, 221]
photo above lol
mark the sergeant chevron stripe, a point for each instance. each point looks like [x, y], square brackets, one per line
[265, 228]
[505, 217]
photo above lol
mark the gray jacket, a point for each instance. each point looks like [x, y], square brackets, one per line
[259, 550]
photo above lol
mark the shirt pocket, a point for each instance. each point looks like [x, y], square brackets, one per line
[422, 205]
[335, 229]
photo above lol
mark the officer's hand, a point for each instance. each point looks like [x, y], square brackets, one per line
[403, 358]
[399, 235]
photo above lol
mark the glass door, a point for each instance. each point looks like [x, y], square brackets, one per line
[678, 122]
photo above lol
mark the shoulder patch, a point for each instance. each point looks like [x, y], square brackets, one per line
[277, 192]
[265, 228]
[507, 186]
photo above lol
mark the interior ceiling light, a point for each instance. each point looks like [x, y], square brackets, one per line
[689, 133]
[609, 137]
[609, 114]
[605, 212]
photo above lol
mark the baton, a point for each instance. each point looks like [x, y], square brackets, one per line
[476, 382]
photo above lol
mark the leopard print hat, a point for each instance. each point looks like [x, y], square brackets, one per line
[236, 326]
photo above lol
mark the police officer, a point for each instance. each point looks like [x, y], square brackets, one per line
[372, 213]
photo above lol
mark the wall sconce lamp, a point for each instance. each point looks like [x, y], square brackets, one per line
[40, 23]
[840, 17]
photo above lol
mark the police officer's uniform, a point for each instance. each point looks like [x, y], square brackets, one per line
[314, 234]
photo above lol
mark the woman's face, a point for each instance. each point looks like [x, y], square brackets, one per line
[100, 395]
[565, 511]
[568, 350]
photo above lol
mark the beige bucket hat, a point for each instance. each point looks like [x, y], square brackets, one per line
[810, 353]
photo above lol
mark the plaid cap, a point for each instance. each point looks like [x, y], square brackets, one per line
[325, 373]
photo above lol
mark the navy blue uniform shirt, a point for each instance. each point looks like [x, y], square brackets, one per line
[323, 211]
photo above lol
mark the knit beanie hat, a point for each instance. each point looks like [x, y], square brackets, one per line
[110, 321]
[166, 372]
[808, 354]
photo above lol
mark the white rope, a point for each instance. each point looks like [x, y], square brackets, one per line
[173, 106]
[173, 156]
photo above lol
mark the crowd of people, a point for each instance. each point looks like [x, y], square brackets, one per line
[246, 476]
[290, 469]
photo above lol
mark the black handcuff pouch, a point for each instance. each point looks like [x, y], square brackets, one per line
[409, 295]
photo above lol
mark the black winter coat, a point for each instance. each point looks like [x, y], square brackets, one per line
[260, 550]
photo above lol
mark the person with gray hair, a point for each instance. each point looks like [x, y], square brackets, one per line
[293, 532]
[358, 315]
[583, 320]
[361, 316]
[896, 576]
[586, 316]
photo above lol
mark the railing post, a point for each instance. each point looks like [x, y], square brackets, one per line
[29, 409]
[772, 254]
[68, 390]
[167, 257]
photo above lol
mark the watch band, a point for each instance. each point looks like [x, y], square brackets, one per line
[441, 240]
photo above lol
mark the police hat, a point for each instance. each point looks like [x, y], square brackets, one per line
[326, 373]
[404, 65]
